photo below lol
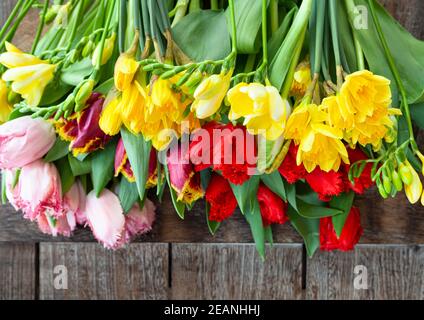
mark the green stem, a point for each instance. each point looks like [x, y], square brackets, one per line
[233, 27]
[180, 11]
[395, 71]
[194, 5]
[9, 36]
[273, 8]
[11, 17]
[319, 35]
[214, 5]
[250, 63]
[360, 59]
[265, 31]
[122, 24]
[105, 32]
[40, 26]
[335, 38]
[76, 24]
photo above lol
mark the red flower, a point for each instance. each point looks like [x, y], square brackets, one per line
[221, 199]
[273, 208]
[183, 179]
[122, 165]
[289, 168]
[364, 181]
[326, 184]
[82, 129]
[351, 233]
[227, 148]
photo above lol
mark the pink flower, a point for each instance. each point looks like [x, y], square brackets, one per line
[138, 221]
[24, 140]
[105, 218]
[38, 190]
[55, 226]
[74, 205]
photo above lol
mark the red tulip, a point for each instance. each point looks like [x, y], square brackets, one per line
[273, 208]
[221, 199]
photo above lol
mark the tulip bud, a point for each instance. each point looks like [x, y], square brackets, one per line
[397, 181]
[107, 51]
[387, 184]
[83, 94]
[382, 190]
[405, 173]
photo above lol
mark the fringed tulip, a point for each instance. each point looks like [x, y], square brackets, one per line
[105, 218]
[139, 221]
[74, 205]
[38, 191]
[184, 180]
[24, 140]
[82, 129]
[221, 199]
[273, 208]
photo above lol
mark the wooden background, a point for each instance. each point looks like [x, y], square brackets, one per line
[180, 260]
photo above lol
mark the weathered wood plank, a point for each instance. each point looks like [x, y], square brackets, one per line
[6, 6]
[17, 271]
[393, 272]
[137, 272]
[235, 271]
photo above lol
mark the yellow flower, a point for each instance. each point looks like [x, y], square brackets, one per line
[209, 95]
[413, 190]
[302, 79]
[29, 75]
[362, 109]
[264, 110]
[125, 69]
[5, 107]
[319, 143]
[110, 120]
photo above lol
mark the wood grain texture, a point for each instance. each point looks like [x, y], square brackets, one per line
[138, 272]
[394, 272]
[17, 271]
[6, 6]
[235, 271]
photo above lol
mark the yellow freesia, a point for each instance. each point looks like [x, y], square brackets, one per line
[302, 79]
[413, 190]
[264, 110]
[29, 75]
[5, 107]
[362, 109]
[125, 69]
[209, 95]
[319, 143]
[107, 51]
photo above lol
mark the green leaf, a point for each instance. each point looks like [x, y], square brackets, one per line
[275, 183]
[417, 113]
[248, 16]
[253, 216]
[54, 92]
[203, 35]
[79, 167]
[59, 150]
[105, 87]
[3, 188]
[278, 37]
[16, 113]
[213, 226]
[67, 179]
[407, 51]
[128, 194]
[283, 59]
[102, 166]
[268, 235]
[138, 151]
[178, 205]
[310, 211]
[291, 194]
[343, 202]
[246, 194]
[307, 228]
[77, 72]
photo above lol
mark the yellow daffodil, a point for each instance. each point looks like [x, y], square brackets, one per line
[319, 143]
[29, 75]
[209, 95]
[111, 120]
[125, 69]
[302, 79]
[5, 107]
[414, 189]
[264, 110]
[362, 109]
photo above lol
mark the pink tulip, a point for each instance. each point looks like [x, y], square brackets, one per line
[74, 205]
[55, 226]
[105, 218]
[38, 191]
[138, 221]
[24, 140]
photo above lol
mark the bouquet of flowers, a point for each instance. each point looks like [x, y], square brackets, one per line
[285, 109]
